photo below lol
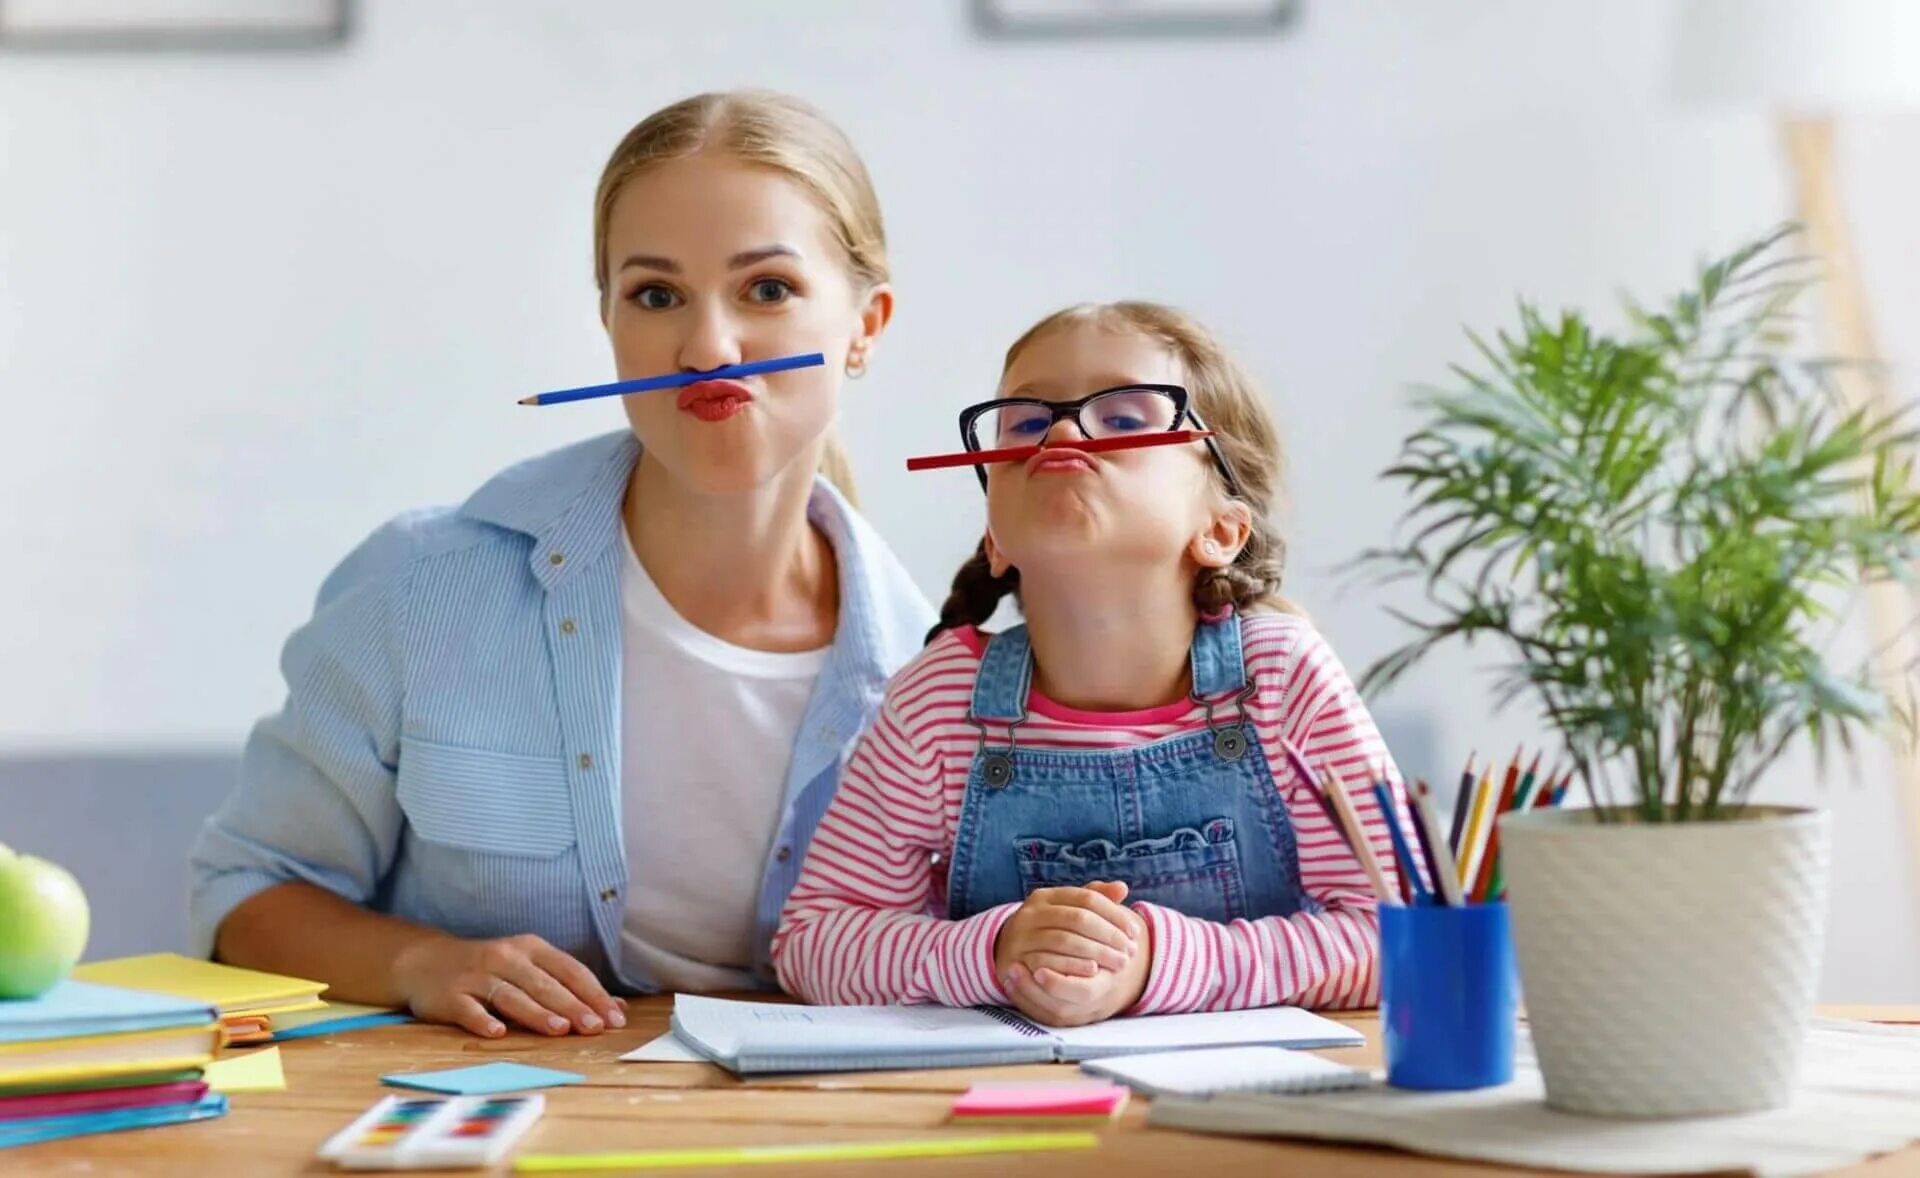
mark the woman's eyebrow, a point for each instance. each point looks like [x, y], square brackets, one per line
[651, 262]
[755, 256]
[738, 261]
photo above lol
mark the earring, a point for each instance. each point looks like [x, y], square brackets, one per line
[857, 363]
[1213, 549]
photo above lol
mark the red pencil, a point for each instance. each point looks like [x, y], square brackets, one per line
[1092, 446]
[1484, 879]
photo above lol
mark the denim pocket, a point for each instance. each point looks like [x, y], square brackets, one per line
[1194, 870]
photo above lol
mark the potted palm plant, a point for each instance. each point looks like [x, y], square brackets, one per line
[1658, 529]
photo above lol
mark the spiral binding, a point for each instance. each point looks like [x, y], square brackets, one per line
[1014, 1019]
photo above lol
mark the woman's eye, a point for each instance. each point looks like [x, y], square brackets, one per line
[655, 297]
[1123, 422]
[770, 290]
[1032, 425]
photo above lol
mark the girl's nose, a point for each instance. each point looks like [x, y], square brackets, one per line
[1064, 430]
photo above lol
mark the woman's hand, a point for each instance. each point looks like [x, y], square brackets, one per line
[524, 979]
[1059, 1000]
[1072, 931]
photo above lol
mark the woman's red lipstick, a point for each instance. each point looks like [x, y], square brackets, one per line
[715, 400]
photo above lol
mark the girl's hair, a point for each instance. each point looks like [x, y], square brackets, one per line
[1226, 399]
[772, 131]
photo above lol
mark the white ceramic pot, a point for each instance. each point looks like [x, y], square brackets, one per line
[1668, 970]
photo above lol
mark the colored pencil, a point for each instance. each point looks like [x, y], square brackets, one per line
[1522, 799]
[828, 1151]
[1472, 841]
[1560, 791]
[1317, 789]
[1483, 879]
[1543, 797]
[1412, 889]
[1091, 446]
[1462, 801]
[675, 380]
[1416, 810]
[1446, 875]
[1362, 847]
[1523, 796]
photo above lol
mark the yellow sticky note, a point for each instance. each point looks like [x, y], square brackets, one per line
[256, 1071]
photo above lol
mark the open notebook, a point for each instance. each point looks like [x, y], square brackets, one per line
[752, 1037]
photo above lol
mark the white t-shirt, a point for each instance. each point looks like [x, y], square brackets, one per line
[707, 731]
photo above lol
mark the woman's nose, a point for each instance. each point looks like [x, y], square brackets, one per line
[712, 341]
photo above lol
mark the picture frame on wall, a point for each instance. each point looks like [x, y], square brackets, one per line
[138, 25]
[1132, 18]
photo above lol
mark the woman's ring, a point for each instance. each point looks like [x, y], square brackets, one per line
[492, 990]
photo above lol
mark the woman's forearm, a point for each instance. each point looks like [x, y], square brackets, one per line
[308, 932]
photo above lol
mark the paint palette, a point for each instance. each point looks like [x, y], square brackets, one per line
[433, 1133]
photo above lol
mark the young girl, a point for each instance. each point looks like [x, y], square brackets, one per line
[1095, 813]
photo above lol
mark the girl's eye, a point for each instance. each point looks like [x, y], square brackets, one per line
[770, 290]
[655, 297]
[1030, 425]
[1123, 422]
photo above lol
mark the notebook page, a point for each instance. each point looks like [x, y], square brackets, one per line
[1275, 1026]
[1228, 1069]
[727, 1029]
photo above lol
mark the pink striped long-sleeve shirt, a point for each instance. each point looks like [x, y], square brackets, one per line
[865, 922]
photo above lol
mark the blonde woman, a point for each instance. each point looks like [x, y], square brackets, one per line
[572, 738]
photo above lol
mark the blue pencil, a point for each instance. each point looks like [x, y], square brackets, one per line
[675, 380]
[1409, 866]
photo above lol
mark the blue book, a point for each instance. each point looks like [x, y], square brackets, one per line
[38, 1129]
[754, 1037]
[74, 1009]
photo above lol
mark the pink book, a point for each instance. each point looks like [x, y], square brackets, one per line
[96, 1100]
[1027, 1103]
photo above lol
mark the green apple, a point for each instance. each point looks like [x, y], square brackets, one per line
[43, 923]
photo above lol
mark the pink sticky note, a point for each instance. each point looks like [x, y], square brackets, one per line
[1040, 1100]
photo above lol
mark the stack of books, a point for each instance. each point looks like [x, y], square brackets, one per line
[249, 1001]
[85, 1058]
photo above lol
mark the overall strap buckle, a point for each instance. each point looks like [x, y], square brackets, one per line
[1230, 735]
[996, 768]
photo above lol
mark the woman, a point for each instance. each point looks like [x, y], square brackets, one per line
[574, 736]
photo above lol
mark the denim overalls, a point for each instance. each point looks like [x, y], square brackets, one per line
[1193, 823]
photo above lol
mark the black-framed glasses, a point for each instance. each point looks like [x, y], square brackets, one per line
[1109, 413]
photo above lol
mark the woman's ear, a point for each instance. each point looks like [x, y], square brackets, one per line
[997, 561]
[1227, 532]
[875, 313]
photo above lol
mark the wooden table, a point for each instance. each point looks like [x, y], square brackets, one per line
[657, 1106]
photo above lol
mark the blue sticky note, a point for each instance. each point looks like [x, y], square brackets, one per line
[484, 1079]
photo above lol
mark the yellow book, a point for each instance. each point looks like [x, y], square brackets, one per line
[98, 1056]
[233, 990]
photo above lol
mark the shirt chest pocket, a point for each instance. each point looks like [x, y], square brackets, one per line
[491, 844]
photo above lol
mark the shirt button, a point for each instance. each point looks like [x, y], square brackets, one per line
[586, 760]
[567, 626]
[610, 895]
[556, 558]
[785, 854]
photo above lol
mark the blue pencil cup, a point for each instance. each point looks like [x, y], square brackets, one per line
[1447, 994]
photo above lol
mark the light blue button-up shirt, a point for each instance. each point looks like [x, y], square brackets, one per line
[449, 751]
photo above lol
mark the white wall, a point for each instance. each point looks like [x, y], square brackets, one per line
[250, 306]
